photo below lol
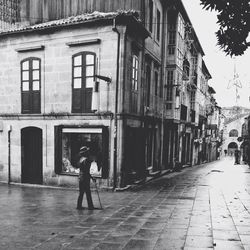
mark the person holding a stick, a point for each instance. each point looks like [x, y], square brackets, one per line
[84, 164]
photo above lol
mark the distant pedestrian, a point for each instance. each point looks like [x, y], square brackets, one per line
[225, 152]
[84, 164]
[237, 155]
[218, 153]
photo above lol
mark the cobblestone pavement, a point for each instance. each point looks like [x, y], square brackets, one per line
[203, 207]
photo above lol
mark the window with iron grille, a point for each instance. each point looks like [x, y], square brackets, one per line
[83, 71]
[31, 85]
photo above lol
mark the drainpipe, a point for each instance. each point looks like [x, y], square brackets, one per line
[114, 28]
[162, 79]
[9, 158]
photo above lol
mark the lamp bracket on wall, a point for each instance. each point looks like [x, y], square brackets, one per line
[104, 78]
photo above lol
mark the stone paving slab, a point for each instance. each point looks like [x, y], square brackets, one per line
[203, 207]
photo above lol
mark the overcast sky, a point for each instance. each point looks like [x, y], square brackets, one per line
[220, 66]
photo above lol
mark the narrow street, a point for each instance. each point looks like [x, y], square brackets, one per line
[203, 207]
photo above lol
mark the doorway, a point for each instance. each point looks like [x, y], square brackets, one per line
[231, 148]
[31, 153]
[135, 155]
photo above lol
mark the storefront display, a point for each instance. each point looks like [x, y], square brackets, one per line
[70, 140]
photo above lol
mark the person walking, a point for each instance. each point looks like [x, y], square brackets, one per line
[225, 152]
[237, 155]
[84, 164]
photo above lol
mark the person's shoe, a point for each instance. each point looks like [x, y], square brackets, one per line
[79, 208]
[91, 208]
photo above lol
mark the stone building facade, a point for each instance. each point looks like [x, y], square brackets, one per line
[54, 98]
[128, 84]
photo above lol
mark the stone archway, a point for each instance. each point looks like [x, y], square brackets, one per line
[232, 146]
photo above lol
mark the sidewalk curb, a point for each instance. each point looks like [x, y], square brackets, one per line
[169, 172]
[141, 183]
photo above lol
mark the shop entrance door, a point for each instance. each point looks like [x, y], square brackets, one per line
[135, 154]
[31, 144]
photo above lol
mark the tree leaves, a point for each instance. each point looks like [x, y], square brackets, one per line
[234, 21]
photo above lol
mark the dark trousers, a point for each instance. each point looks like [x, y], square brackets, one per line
[84, 188]
[237, 160]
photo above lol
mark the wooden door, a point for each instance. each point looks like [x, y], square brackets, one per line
[31, 144]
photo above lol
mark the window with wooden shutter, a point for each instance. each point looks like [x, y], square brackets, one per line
[31, 85]
[83, 71]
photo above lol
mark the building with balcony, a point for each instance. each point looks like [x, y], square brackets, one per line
[213, 137]
[186, 91]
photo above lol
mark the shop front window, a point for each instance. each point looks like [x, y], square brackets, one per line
[72, 139]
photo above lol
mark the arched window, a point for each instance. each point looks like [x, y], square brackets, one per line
[233, 133]
[31, 85]
[83, 71]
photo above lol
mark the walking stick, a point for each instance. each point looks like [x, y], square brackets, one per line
[98, 195]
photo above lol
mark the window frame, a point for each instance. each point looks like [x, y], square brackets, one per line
[135, 72]
[233, 133]
[135, 67]
[83, 92]
[170, 88]
[192, 99]
[31, 94]
[58, 136]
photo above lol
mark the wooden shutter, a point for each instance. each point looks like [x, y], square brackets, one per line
[87, 100]
[76, 100]
[58, 149]
[31, 99]
[26, 97]
[82, 95]
[36, 102]
[105, 152]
